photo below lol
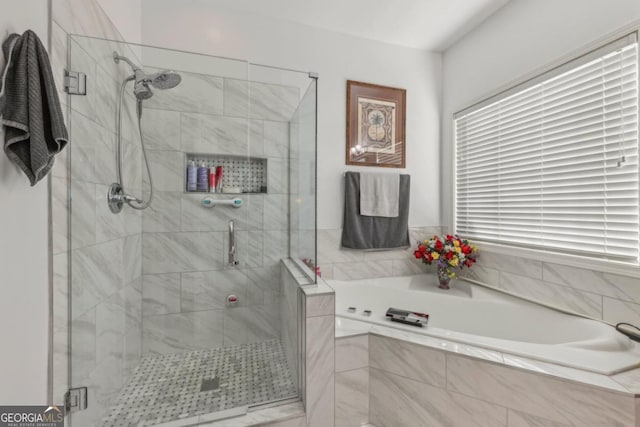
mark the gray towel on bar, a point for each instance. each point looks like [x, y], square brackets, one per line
[31, 113]
[372, 232]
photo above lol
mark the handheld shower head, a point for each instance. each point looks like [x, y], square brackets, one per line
[141, 87]
[142, 90]
[161, 80]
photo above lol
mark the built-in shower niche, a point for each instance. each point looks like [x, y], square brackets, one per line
[240, 174]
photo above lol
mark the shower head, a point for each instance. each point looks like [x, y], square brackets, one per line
[162, 80]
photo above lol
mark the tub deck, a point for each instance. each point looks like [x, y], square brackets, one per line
[484, 323]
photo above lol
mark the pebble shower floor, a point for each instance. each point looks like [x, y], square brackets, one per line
[170, 387]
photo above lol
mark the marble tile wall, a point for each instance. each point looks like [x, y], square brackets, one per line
[186, 278]
[408, 383]
[104, 250]
[352, 381]
[290, 309]
[308, 333]
[344, 264]
[320, 360]
[611, 297]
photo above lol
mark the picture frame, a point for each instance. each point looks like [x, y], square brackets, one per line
[376, 125]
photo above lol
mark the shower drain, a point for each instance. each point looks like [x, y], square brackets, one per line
[209, 384]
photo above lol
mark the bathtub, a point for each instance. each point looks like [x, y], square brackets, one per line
[482, 317]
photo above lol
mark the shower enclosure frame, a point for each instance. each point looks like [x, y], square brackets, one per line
[71, 226]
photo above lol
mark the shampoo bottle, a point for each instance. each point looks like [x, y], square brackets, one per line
[203, 177]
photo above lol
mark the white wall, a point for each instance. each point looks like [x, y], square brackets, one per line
[23, 251]
[125, 16]
[519, 39]
[197, 25]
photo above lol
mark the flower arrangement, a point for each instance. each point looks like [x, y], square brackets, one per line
[448, 252]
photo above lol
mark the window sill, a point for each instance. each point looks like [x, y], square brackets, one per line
[602, 265]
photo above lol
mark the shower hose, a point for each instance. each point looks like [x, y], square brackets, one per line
[136, 203]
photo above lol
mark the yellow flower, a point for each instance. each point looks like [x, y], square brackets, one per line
[435, 255]
[474, 248]
[457, 249]
[456, 243]
[452, 275]
[453, 262]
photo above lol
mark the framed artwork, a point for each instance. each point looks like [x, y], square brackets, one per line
[375, 125]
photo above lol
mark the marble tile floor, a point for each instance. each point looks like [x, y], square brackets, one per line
[172, 387]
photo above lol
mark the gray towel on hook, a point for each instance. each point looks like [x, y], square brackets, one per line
[373, 232]
[31, 112]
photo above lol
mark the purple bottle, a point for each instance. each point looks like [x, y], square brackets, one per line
[203, 177]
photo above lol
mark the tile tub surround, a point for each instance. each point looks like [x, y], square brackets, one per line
[611, 297]
[410, 379]
[352, 380]
[344, 264]
[320, 364]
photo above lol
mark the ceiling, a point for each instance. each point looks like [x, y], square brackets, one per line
[423, 24]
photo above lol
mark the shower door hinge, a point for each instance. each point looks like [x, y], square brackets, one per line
[75, 82]
[75, 400]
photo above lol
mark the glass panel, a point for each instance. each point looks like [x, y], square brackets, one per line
[303, 180]
[164, 324]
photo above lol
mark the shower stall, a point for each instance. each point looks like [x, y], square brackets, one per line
[176, 308]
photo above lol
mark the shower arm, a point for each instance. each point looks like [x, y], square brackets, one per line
[117, 58]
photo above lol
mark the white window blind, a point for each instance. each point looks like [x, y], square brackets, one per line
[553, 163]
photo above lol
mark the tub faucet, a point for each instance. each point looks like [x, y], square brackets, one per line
[232, 245]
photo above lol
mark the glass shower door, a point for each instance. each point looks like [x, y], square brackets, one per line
[105, 271]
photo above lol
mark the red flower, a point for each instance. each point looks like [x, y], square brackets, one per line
[447, 247]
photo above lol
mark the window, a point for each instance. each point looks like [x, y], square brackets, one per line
[553, 162]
